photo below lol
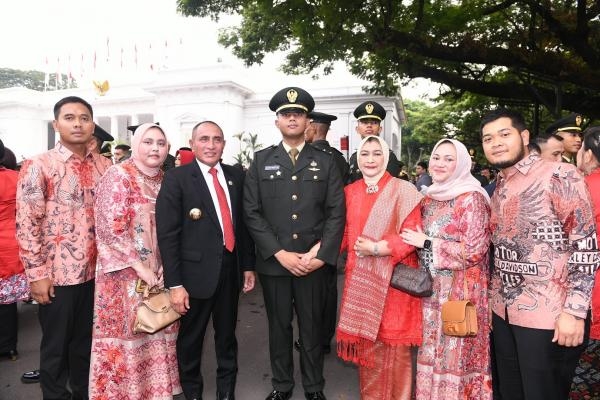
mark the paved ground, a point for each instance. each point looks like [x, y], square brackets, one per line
[254, 379]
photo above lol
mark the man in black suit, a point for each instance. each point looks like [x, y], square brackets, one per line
[204, 246]
[293, 200]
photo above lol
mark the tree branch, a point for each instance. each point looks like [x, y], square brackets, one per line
[577, 100]
[472, 51]
[576, 40]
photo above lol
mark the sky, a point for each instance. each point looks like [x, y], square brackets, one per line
[122, 41]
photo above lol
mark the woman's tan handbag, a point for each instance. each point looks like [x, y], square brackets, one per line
[459, 317]
[155, 313]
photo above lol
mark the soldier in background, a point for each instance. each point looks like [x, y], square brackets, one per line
[370, 114]
[122, 152]
[316, 135]
[569, 128]
[551, 147]
[98, 144]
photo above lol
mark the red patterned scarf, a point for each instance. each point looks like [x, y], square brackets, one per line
[368, 282]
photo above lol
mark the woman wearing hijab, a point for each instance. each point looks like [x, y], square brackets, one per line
[378, 324]
[454, 246]
[586, 381]
[13, 282]
[125, 364]
[183, 156]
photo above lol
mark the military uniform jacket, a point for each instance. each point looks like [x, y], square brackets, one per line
[393, 167]
[340, 161]
[292, 208]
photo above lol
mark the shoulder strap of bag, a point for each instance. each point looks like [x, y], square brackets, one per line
[465, 286]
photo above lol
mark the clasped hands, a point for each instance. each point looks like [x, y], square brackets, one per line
[300, 264]
[364, 247]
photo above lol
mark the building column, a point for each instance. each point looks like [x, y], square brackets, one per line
[114, 127]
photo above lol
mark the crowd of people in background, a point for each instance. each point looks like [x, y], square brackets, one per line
[82, 229]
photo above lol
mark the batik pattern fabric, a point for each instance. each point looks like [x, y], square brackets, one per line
[14, 288]
[450, 367]
[545, 248]
[124, 364]
[13, 282]
[55, 216]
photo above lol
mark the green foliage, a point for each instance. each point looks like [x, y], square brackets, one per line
[454, 116]
[248, 145]
[532, 54]
[30, 79]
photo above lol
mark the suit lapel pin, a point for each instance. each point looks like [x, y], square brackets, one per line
[195, 214]
[230, 183]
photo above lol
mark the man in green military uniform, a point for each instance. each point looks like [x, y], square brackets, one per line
[569, 128]
[293, 200]
[316, 135]
[370, 114]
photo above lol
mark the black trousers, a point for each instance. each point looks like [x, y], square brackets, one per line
[330, 311]
[8, 327]
[307, 295]
[223, 306]
[530, 366]
[66, 342]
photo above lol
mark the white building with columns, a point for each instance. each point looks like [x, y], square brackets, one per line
[179, 99]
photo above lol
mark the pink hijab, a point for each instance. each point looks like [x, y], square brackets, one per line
[138, 136]
[461, 181]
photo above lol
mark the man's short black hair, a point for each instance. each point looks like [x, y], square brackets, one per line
[542, 139]
[124, 147]
[68, 100]
[423, 164]
[533, 147]
[516, 118]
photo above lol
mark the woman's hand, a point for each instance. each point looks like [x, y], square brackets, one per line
[366, 247]
[414, 238]
[146, 274]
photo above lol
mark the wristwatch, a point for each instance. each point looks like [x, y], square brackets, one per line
[427, 244]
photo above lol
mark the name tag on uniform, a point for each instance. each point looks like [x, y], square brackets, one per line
[271, 167]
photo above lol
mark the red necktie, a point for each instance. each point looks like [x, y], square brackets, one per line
[228, 235]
